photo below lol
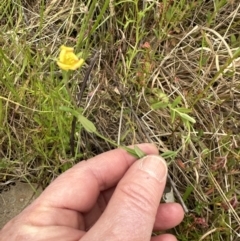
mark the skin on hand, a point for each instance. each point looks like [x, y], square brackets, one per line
[109, 197]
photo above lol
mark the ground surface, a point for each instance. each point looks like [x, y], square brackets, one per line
[15, 199]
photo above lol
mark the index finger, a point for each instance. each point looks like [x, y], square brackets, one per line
[79, 187]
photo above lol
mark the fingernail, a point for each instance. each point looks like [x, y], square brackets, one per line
[154, 166]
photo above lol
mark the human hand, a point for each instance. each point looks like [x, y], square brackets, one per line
[109, 197]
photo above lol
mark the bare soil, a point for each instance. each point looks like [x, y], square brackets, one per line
[15, 199]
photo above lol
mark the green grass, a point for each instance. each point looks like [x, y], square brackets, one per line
[175, 62]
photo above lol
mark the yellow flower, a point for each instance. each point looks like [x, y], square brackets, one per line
[68, 60]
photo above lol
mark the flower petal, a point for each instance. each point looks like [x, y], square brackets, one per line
[77, 64]
[72, 56]
[68, 60]
[68, 49]
[62, 55]
[63, 66]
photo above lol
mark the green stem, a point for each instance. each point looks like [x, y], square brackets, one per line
[129, 150]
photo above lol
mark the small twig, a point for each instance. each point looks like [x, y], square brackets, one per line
[120, 125]
[79, 98]
[177, 194]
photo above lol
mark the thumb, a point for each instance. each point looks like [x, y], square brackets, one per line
[131, 212]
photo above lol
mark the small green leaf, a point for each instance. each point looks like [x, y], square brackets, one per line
[130, 151]
[187, 117]
[233, 38]
[169, 154]
[70, 110]
[176, 102]
[183, 110]
[87, 124]
[187, 193]
[159, 105]
[75, 113]
[139, 152]
[136, 152]
[65, 108]
[173, 115]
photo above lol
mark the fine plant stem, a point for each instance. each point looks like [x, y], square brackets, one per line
[79, 98]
